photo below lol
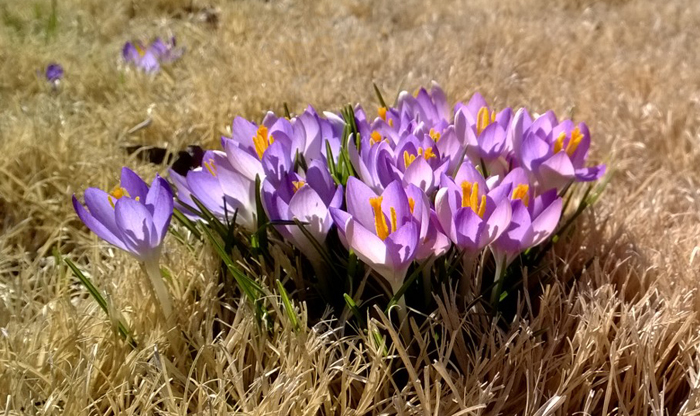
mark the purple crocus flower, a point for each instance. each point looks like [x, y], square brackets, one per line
[311, 132]
[220, 188]
[426, 107]
[54, 73]
[379, 228]
[485, 134]
[249, 143]
[553, 153]
[534, 218]
[132, 217]
[470, 215]
[307, 199]
[150, 58]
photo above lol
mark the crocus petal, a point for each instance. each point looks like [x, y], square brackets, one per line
[319, 178]
[402, 244]
[357, 198]
[135, 224]
[419, 173]
[243, 132]
[544, 224]
[533, 152]
[243, 161]
[133, 184]
[519, 234]
[368, 247]
[498, 221]
[307, 206]
[468, 228]
[97, 227]
[395, 197]
[492, 141]
[590, 174]
[276, 161]
[100, 207]
[159, 202]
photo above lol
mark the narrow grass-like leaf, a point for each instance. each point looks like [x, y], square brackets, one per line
[187, 223]
[121, 327]
[379, 95]
[291, 314]
[321, 250]
[352, 306]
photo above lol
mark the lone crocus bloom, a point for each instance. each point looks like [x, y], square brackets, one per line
[135, 219]
[149, 59]
[380, 228]
[54, 73]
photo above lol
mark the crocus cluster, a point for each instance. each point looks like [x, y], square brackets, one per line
[422, 177]
[150, 58]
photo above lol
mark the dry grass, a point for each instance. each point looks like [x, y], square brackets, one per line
[622, 338]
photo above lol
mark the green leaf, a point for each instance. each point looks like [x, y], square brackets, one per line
[379, 95]
[187, 223]
[321, 250]
[121, 327]
[260, 237]
[288, 306]
[354, 309]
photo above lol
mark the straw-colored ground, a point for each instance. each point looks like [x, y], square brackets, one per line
[624, 338]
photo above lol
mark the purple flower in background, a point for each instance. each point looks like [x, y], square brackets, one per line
[220, 188]
[470, 215]
[381, 229]
[553, 153]
[430, 108]
[311, 132]
[54, 73]
[132, 217]
[306, 199]
[150, 58]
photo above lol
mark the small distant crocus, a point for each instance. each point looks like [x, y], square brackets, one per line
[149, 58]
[134, 218]
[54, 73]
[307, 199]
[380, 229]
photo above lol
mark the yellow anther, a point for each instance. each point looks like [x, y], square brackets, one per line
[393, 219]
[117, 193]
[482, 207]
[482, 120]
[470, 198]
[466, 193]
[474, 197]
[411, 204]
[382, 113]
[434, 135]
[137, 199]
[408, 158]
[379, 219]
[262, 141]
[576, 137]
[374, 138]
[391, 122]
[211, 167]
[559, 142]
[297, 185]
[139, 49]
[428, 153]
[522, 192]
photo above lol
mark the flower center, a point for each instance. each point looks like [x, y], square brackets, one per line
[409, 158]
[211, 167]
[297, 185]
[262, 141]
[117, 193]
[380, 224]
[434, 135]
[470, 198]
[483, 120]
[521, 192]
[382, 113]
[571, 147]
[411, 204]
[374, 138]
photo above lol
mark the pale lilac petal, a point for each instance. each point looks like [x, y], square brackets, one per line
[276, 162]
[534, 150]
[546, 222]
[402, 244]
[97, 227]
[134, 185]
[357, 198]
[368, 247]
[244, 162]
[492, 141]
[159, 202]
[498, 221]
[307, 206]
[519, 234]
[468, 228]
[98, 203]
[395, 197]
[420, 174]
[590, 174]
[243, 132]
[135, 224]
